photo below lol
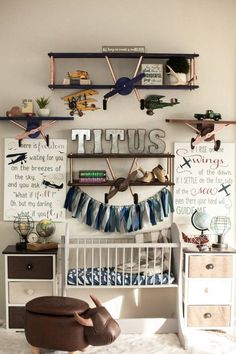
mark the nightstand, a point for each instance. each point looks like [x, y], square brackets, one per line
[28, 274]
[208, 289]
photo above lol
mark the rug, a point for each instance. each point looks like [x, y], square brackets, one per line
[203, 342]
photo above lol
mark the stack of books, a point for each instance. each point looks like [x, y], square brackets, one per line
[92, 176]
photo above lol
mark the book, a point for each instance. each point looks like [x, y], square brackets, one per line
[153, 74]
[92, 179]
[92, 173]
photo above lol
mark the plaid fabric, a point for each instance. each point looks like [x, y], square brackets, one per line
[108, 276]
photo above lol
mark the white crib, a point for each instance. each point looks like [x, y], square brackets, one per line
[125, 262]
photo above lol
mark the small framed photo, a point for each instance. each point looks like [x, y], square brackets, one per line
[27, 106]
[153, 74]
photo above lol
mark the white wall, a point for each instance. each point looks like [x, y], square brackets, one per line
[30, 29]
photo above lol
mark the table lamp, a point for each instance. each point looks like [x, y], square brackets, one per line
[220, 225]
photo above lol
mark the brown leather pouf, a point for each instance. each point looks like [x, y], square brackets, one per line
[50, 323]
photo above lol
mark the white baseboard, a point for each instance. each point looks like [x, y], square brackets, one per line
[148, 325]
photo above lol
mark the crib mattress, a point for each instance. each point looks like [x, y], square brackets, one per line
[109, 276]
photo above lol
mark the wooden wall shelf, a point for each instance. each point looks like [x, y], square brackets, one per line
[111, 183]
[143, 57]
[198, 121]
[7, 119]
[109, 155]
[122, 55]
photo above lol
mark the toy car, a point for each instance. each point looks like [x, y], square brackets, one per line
[208, 115]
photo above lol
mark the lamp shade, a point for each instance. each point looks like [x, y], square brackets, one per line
[220, 225]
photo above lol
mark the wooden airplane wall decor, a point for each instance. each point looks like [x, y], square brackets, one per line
[205, 128]
[34, 126]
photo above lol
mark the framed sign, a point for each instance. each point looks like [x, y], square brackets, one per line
[204, 180]
[153, 74]
[35, 179]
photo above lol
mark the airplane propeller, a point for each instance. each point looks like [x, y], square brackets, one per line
[121, 184]
[124, 86]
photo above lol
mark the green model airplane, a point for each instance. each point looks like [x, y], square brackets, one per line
[154, 102]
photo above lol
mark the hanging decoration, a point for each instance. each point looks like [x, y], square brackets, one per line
[112, 218]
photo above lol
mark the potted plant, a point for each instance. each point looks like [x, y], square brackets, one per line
[177, 68]
[42, 103]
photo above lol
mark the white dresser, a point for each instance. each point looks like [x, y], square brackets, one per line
[208, 289]
[28, 274]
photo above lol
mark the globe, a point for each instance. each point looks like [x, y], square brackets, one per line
[201, 220]
[45, 228]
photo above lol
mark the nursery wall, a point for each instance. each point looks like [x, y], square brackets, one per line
[30, 29]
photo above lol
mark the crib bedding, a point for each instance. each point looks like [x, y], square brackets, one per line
[109, 276]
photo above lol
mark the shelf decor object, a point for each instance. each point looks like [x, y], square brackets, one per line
[23, 224]
[220, 225]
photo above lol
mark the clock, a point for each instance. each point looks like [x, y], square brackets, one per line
[32, 237]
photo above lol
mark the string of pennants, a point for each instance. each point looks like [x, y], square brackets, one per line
[123, 219]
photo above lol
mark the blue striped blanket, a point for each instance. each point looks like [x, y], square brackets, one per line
[109, 276]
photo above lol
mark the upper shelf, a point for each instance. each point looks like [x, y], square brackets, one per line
[107, 56]
[122, 55]
[145, 87]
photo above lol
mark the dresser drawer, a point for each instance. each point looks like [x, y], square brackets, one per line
[30, 267]
[210, 266]
[17, 317]
[22, 292]
[209, 291]
[208, 316]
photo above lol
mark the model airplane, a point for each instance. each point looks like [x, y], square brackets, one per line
[79, 102]
[19, 157]
[224, 188]
[52, 185]
[155, 102]
[186, 163]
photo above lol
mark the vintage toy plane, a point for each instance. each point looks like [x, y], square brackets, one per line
[186, 163]
[19, 157]
[79, 102]
[224, 189]
[155, 102]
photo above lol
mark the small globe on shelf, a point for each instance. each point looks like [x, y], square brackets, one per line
[45, 228]
[201, 221]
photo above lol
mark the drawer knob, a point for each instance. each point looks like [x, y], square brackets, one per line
[29, 266]
[207, 315]
[210, 266]
[29, 291]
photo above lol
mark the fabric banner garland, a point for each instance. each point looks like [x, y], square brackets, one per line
[111, 218]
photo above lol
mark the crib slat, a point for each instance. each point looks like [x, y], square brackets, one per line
[169, 265]
[100, 268]
[92, 265]
[77, 265]
[108, 269]
[123, 281]
[154, 266]
[162, 264]
[146, 276]
[85, 266]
